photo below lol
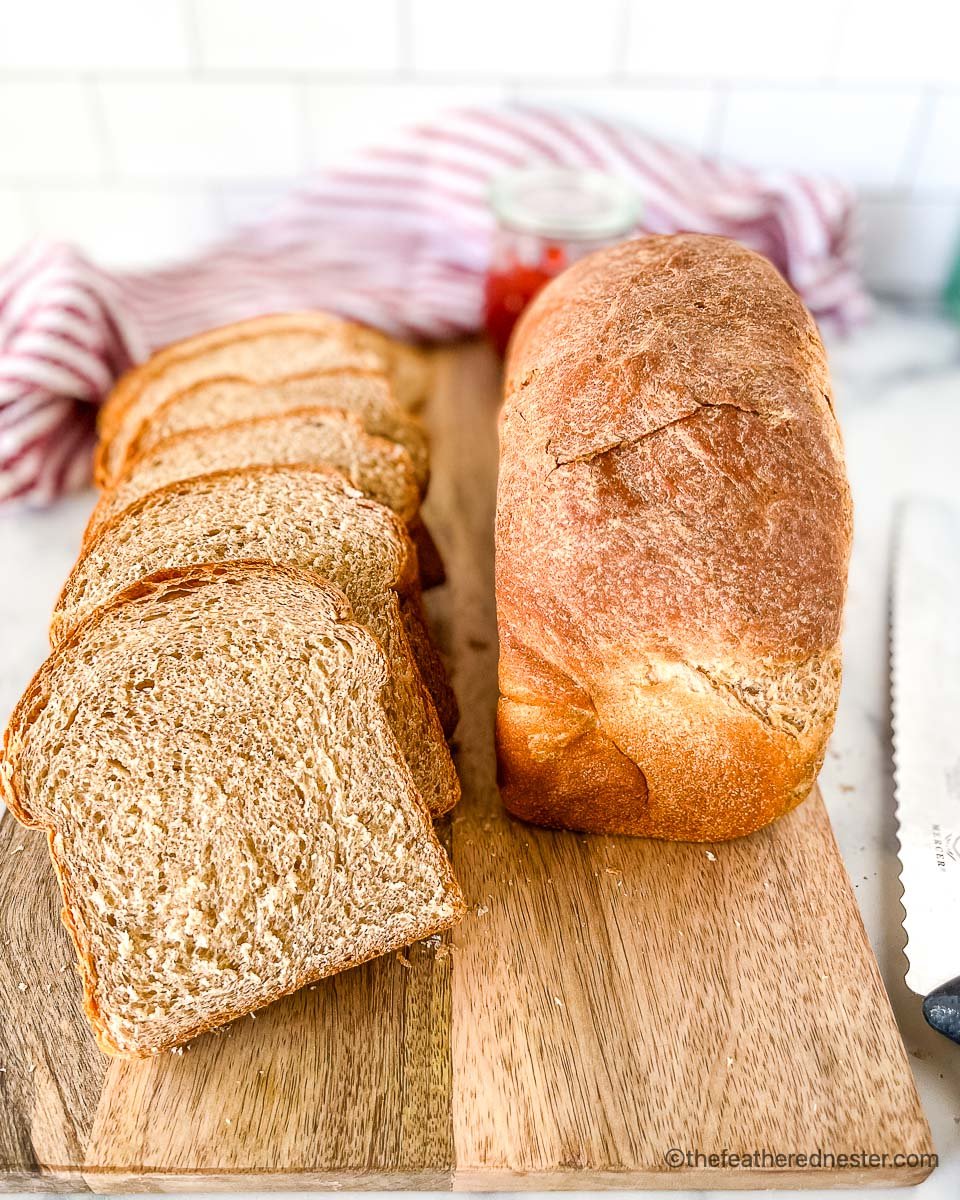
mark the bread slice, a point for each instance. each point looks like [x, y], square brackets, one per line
[228, 812]
[302, 516]
[261, 350]
[380, 469]
[215, 402]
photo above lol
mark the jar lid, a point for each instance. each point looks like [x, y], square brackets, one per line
[565, 203]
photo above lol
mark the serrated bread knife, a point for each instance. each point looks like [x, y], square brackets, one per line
[925, 649]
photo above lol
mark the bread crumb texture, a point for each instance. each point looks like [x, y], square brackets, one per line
[307, 517]
[228, 810]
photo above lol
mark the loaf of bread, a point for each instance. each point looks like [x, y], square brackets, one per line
[673, 534]
[228, 812]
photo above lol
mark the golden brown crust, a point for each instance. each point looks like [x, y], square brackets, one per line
[673, 532]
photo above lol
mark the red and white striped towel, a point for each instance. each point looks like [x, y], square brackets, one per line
[399, 239]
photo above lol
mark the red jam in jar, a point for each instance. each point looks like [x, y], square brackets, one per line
[546, 219]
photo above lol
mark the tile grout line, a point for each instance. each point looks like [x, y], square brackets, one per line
[191, 28]
[406, 47]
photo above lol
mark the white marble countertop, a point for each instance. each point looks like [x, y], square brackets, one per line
[898, 389]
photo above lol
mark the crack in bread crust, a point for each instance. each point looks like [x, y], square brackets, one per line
[589, 456]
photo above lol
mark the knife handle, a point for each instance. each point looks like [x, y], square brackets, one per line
[942, 1009]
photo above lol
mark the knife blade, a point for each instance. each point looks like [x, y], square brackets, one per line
[925, 664]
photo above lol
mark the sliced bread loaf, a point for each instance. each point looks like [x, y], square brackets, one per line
[378, 468]
[260, 350]
[302, 516]
[228, 812]
[215, 402]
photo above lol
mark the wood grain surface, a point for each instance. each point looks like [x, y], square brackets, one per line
[605, 1001]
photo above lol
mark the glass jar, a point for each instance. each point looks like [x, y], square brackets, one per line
[547, 218]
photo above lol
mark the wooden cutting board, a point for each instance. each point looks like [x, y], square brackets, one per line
[607, 1006]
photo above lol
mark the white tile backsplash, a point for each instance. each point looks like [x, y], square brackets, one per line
[732, 40]
[685, 115]
[298, 35]
[204, 130]
[49, 131]
[343, 117]
[516, 39]
[94, 35]
[885, 41]
[125, 225]
[140, 130]
[860, 136]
